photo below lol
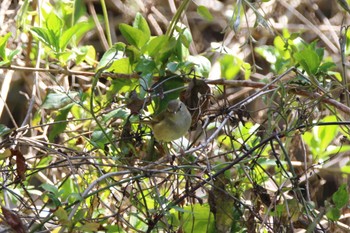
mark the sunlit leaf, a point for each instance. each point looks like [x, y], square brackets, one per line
[133, 35]
[61, 123]
[61, 214]
[333, 214]
[205, 13]
[121, 66]
[50, 188]
[202, 65]
[327, 133]
[309, 60]
[141, 23]
[156, 44]
[74, 32]
[99, 139]
[341, 196]
[111, 54]
[3, 42]
[58, 100]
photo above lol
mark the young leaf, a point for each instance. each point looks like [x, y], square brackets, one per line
[141, 23]
[111, 54]
[54, 25]
[81, 27]
[133, 35]
[62, 215]
[325, 67]
[60, 126]
[86, 53]
[145, 66]
[42, 34]
[309, 60]
[58, 100]
[205, 13]
[3, 42]
[156, 44]
[12, 53]
[333, 214]
[341, 196]
[99, 139]
[50, 188]
[121, 66]
[202, 64]
[327, 134]
[119, 85]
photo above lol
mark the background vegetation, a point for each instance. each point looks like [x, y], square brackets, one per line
[267, 86]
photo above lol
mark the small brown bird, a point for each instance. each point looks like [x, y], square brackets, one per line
[172, 123]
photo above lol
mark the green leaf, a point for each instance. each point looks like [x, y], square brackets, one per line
[58, 100]
[325, 67]
[90, 227]
[328, 133]
[319, 51]
[205, 13]
[44, 162]
[99, 139]
[163, 52]
[294, 35]
[54, 26]
[59, 127]
[115, 52]
[121, 66]
[185, 35]
[341, 197]
[61, 214]
[312, 141]
[202, 65]
[69, 191]
[12, 53]
[79, 9]
[54, 201]
[116, 114]
[145, 66]
[120, 85]
[133, 35]
[229, 66]
[247, 70]
[3, 42]
[204, 219]
[333, 214]
[155, 45]
[42, 34]
[4, 130]
[141, 23]
[69, 34]
[309, 60]
[80, 215]
[133, 53]
[86, 53]
[345, 169]
[50, 188]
